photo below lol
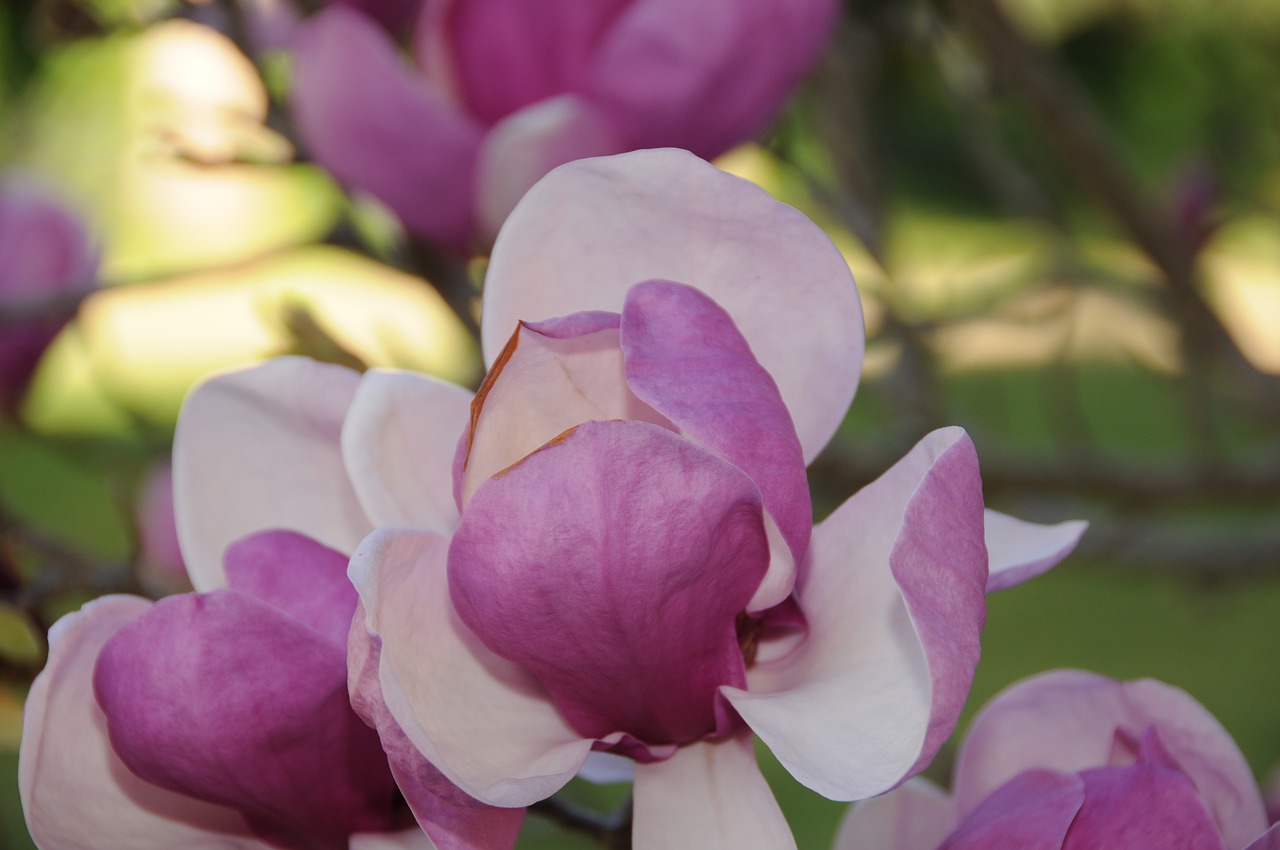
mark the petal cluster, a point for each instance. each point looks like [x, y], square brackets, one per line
[505, 91]
[193, 735]
[609, 547]
[1069, 760]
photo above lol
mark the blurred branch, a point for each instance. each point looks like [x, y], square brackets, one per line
[612, 831]
[61, 305]
[63, 568]
[1071, 126]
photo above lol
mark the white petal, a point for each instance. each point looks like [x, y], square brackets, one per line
[259, 449]
[1020, 550]
[399, 441]
[711, 796]
[480, 719]
[591, 229]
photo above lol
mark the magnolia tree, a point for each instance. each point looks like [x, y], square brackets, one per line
[374, 609]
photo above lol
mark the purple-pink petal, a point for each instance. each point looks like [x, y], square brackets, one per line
[381, 129]
[686, 358]
[76, 793]
[1068, 720]
[1148, 804]
[222, 697]
[1032, 811]
[613, 564]
[508, 54]
[705, 76]
[450, 817]
[297, 576]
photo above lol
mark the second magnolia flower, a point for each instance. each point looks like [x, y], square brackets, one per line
[617, 553]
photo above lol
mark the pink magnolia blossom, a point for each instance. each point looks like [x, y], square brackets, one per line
[610, 547]
[45, 252]
[1070, 760]
[160, 725]
[505, 90]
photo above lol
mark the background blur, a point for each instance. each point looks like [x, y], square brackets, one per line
[1063, 215]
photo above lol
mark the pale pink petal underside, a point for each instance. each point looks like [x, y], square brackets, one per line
[709, 795]
[591, 229]
[894, 601]
[1020, 550]
[480, 719]
[914, 816]
[257, 450]
[398, 443]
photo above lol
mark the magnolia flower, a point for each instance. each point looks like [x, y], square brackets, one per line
[505, 90]
[200, 738]
[44, 253]
[610, 547]
[1070, 760]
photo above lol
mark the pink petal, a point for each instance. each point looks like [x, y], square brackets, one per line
[613, 564]
[527, 144]
[296, 576]
[552, 376]
[380, 128]
[1270, 840]
[45, 251]
[76, 793]
[709, 795]
[453, 819]
[593, 228]
[398, 443]
[1067, 719]
[894, 600]
[259, 449]
[706, 76]
[1020, 550]
[1033, 811]
[44, 247]
[483, 721]
[687, 360]
[915, 816]
[507, 54]
[224, 698]
[1145, 805]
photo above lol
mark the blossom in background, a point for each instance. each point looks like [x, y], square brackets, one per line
[505, 90]
[45, 253]
[197, 736]
[610, 546]
[1070, 760]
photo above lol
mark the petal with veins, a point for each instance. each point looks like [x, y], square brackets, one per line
[686, 359]
[194, 704]
[613, 565]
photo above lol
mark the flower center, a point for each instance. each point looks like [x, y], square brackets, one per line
[750, 629]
